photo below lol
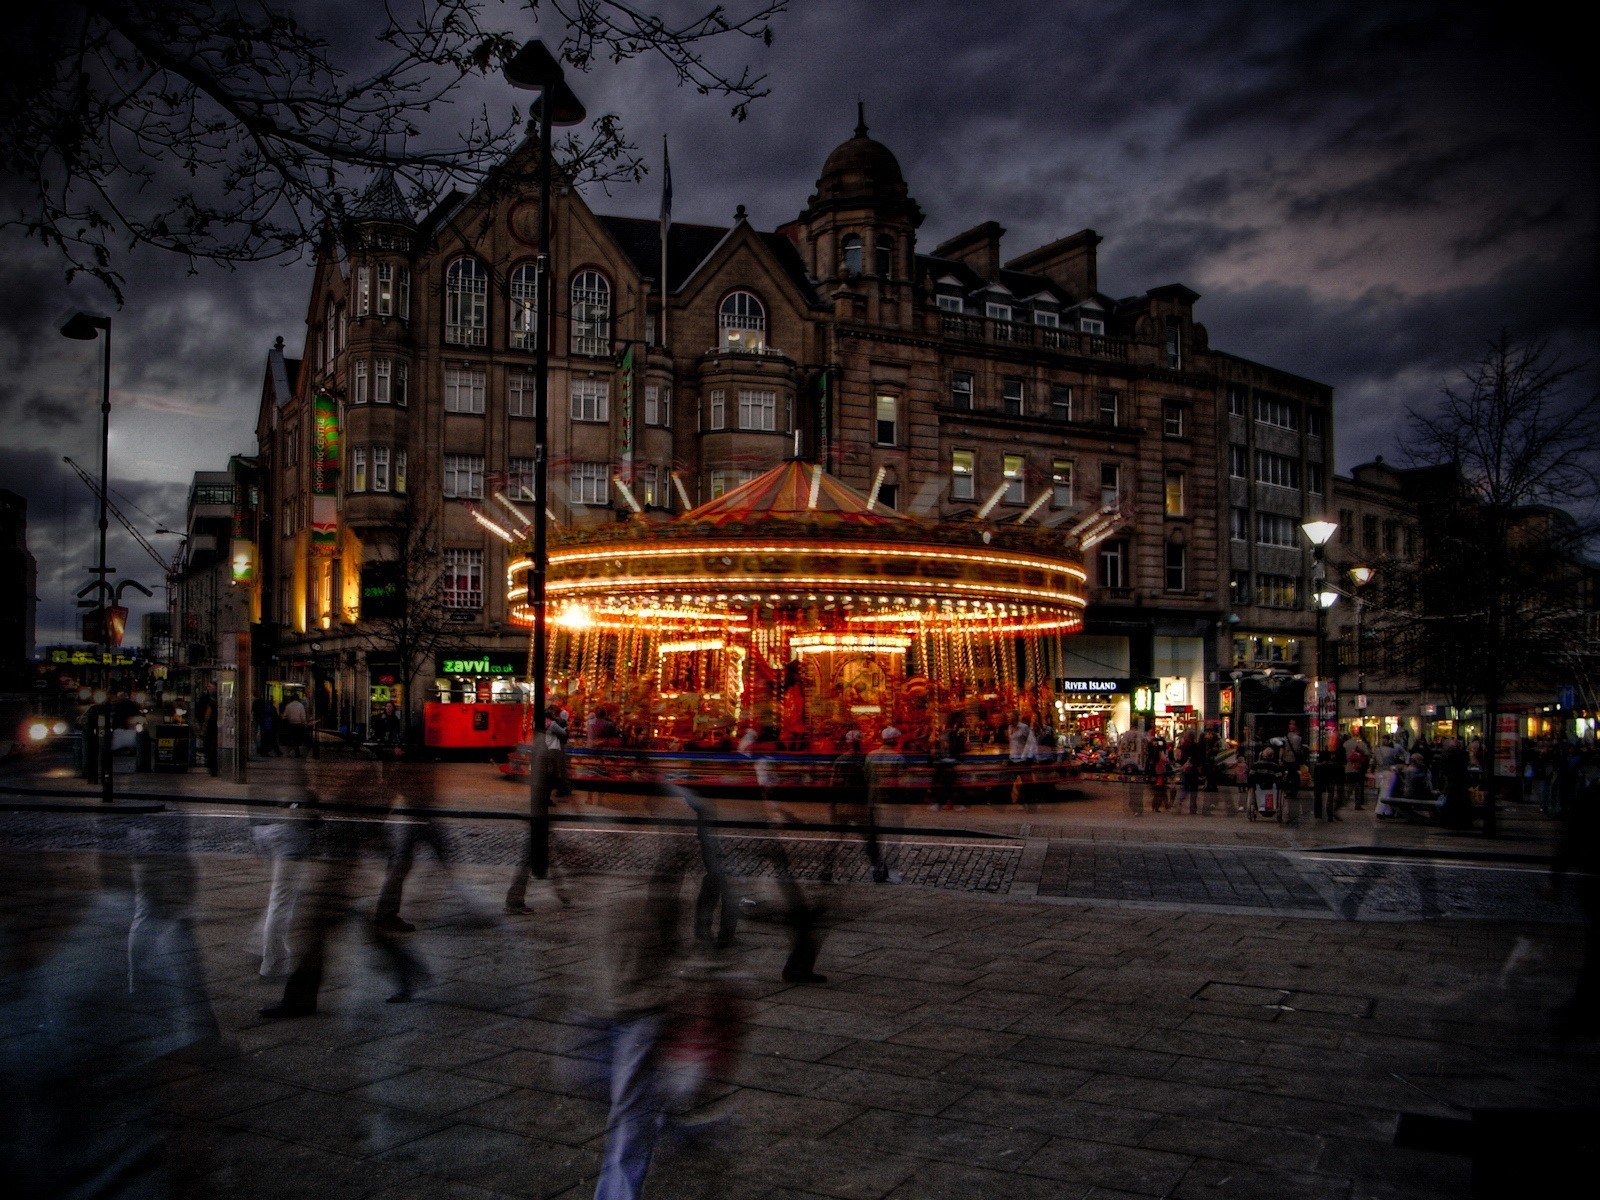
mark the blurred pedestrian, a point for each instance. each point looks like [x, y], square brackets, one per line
[884, 767]
[296, 726]
[264, 716]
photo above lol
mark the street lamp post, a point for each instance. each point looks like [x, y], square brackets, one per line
[534, 68]
[1319, 534]
[1361, 576]
[85, 327]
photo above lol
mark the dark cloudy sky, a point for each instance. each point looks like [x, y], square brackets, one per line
[1362, 193]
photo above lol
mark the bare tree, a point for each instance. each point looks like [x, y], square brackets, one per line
[228, 131]
[1493, 605]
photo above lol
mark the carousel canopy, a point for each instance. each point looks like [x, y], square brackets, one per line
[792, 491]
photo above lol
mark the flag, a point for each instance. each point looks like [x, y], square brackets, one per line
[666, 191]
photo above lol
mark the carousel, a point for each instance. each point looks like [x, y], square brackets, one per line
[792, 610]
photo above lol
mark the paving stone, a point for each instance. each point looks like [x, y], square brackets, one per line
[1207, 1136]
[957, 1039]
[489, 1158]
[897, 1093]
[1054, 1115]
[343, 1124]
[947, 1181]
[430, 1092]
[1210, 1180]
[1152, 1172]
[934, 1137]
[818, 1168]
[548, 1116]
[888, 1057]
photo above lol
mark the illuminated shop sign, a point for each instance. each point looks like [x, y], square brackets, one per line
[1072, 687]
[477, 662]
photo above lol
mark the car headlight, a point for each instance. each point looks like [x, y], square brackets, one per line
[38, 731]
[60, 728]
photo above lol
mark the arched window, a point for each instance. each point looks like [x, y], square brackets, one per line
[524, 300]
[591, 314]
[850, 254]
[466, 303]
[883, 254]
[742, 324]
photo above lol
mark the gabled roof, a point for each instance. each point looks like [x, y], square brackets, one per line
[690, 245]
[382, 201]
[792, 491]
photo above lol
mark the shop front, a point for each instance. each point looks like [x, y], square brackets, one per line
[478, 702]
[1093, 711]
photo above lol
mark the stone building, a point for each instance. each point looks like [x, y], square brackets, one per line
[946, 383]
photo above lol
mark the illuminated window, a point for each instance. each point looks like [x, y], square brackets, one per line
[363, 290]
[1012, 467]
[888, 421]
[1277, 591]
[1174, 494]
[742, 324]
[358, 469]
[464, 389]
[963, 475]
[1061, 483]
[463, 579]
[380, 468]
[466, 303]
[394, 291]
[591, 314]
[523, 297]
[400, 471]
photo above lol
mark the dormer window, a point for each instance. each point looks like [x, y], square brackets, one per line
[948, 303]
[850, 254]
[996, 311]
[1046, 318]
[1092, 325]
[742, 324]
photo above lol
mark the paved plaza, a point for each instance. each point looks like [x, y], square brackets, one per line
[1070, 1002]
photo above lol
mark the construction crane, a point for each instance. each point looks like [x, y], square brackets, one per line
[167, 569]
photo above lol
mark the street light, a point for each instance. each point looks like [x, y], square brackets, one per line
[1362, 576]
[1319, 534]
[85, 327]
[534, 68]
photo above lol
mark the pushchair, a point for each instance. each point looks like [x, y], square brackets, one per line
[1266, 800]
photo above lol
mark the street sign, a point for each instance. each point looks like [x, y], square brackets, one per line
[1361, 701]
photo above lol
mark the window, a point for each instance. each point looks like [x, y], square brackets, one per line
[1061, 402]
[850, 254]
[1172, 419]
[1177, 564]
[1061, 483]
[466, 303]
[1314, 478]
[1236, 401]
[718, 405]
[394, 291]
[996, 311]
[1110, 484]
[742, 324]
[1347, 527]
[591, 400]
[963, 475]
[1277, 591]
[1174, 349]
[1114, 563]
[380, 468]
[1391, 537]
[1174, 494]
[363, 290]
[1108, 408]
[1239, 524]
[725, 481]
[358, 385]
[1369, 534]
[1011, 397]
[1277, 469]
[463, 389]
[519, 479]
[888, 423]
[400, 471]
[647, 486]
[1410, 542]
[961, 391]
[657, 404]
[889, 495]
[383, 381]
[522, 294]
[1091, 325]
[758, 409]
[1239, 593]
[1272, 410]
[948, 303]
[358, 469]
[1012, 466]
[883, 254]
[463, 579]
[1046, 318]
[463, 476]
[589, 483]
[1238, 462]
[1275, 530]
[520, 393]
[1315, 422]
[591, 314]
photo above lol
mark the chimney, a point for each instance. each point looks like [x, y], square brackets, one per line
[1068, 262]
[978, 247]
